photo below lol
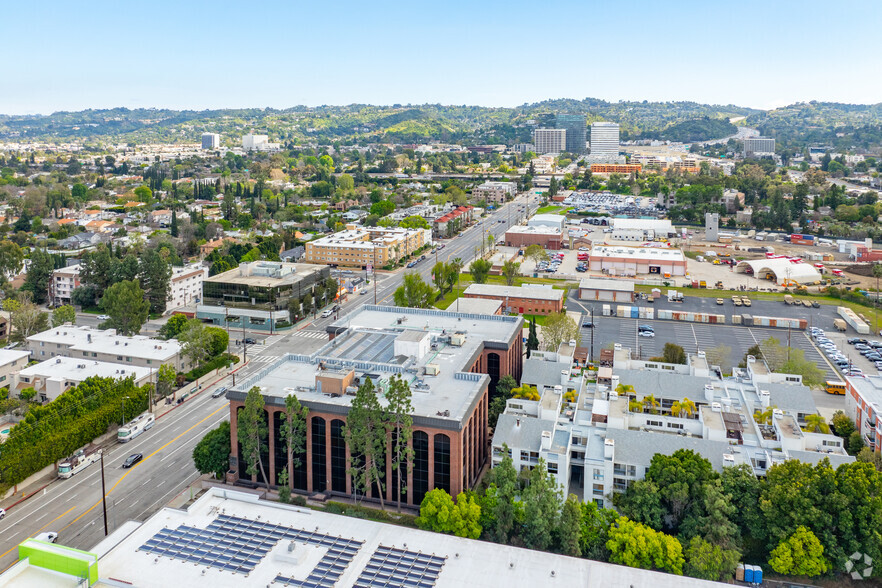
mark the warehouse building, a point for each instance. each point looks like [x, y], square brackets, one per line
[526, 299]
[524, 236]
[780, 270]
[630, 261]
[649, 226]
[557, 221]
[606, 290]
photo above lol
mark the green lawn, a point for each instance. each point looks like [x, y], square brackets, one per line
[465, 281]
[553, 209]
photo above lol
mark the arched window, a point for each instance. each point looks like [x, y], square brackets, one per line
[319, 453]
[420, 466]
[442, 462]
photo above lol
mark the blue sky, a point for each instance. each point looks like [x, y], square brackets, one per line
[62, 55]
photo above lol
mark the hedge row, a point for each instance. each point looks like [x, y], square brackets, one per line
[213, 364]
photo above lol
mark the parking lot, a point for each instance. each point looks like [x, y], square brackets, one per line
[702, 336]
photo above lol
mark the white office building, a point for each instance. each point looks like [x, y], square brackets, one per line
[759, 146]
[210, 140]
[605, 143]
[254, 142]
[550, 140]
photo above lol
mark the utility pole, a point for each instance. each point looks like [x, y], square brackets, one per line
[104, 495]
[593, 326]
[244, 341]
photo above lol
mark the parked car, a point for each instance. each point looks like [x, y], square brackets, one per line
[2, 512]
[103, 317]
[647, 333]
[328, 313]
[132, 460]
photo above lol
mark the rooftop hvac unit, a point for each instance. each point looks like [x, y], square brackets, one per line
[457, 340]
[351, 390]
[433, 369]
[716, 407]
[778, 413]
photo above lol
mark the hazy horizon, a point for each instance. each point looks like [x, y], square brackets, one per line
[202, 55]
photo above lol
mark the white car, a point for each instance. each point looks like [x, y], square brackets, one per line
[2, 512]
[103, 317]
[647, 334]
[50, 536]
[328, 313]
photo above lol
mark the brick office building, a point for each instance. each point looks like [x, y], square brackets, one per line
[451, 361]
[528, 299]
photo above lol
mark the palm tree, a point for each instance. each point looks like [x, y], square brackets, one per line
[683, 406]
[635, 406]
[764, 417]
[815, 423]
[651, 403]
[625, 389]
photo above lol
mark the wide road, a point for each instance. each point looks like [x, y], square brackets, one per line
[72, 507]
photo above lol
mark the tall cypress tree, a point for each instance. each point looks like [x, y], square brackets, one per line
[174, 224]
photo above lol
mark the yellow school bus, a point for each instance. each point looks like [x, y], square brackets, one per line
[834, 387]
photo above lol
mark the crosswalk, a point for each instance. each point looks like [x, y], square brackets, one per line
[311, 334]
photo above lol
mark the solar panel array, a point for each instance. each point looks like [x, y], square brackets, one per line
[238, 545]
[400, 568]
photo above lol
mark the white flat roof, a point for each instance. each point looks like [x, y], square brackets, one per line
[647, 253]
[606, 284]
[294, 552]
[107, 341]
[8, 356]
[77, 370]
[536, 229]
[537, 292]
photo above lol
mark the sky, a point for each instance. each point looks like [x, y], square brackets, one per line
[194, 54]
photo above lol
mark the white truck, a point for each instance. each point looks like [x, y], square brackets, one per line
[79, 461]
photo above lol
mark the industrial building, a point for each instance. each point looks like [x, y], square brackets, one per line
[595, 442]
[524, 236]
[652, 228]
[780, 270]
[449, 359]
[256, 295]
[606, 290]
[228, 538]
[630, 261]
[526, 299]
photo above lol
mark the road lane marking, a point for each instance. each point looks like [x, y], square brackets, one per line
[40, 530]
[136, 466]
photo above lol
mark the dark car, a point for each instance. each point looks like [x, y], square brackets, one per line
[219, 392]
[250, 341]
[132, 460]
[587, 325]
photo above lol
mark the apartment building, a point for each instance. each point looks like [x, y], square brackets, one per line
[210, 140]
[496, 192]
[758, 146]
[451, 361]
[550, 140]
[11, 362]
[449, 224]
[86, 343]
[364, 246]
[62, 283]
[185, 286]
[599, 438]
[53, 377]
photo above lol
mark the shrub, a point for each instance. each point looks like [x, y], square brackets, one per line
[218, 362]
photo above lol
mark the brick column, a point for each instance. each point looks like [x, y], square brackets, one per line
[271, 444]
[309, 487]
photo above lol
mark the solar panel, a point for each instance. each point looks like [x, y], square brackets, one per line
[390, 566]
[238, 545]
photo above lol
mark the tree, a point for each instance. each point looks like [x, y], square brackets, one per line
[532, 338]
[638, 546]
[143, 193]
[252, 433]
[542, 500]
[801, 554]
[39, 274]
[218, 341]
[685, 406]
[173, 326]
[815, 423]
[165, 380]
[536, 253]
[155, 276]
[480, 269]
[174, 224]
[742, 490]
[11, 260]
[293, 434]
[414, 222]
[125, 304]
[505, 511]
[438, 271]
[720, 355]
[596, 523]
[451, 273]
[709, 562]
[490, 240]
[414, 293]
[26, 318]
[510, 271]
[570, 527]
[558, 328]
[64, 314]
[365, 434]
[439, 513]
[673, 353]
[400, 423]
[196, 341]
[212, 454]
